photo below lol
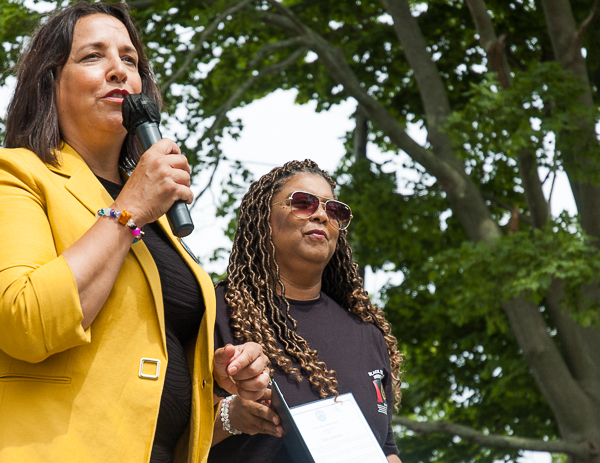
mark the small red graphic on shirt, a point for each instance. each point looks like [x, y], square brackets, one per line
[377, 376]
[377, 385]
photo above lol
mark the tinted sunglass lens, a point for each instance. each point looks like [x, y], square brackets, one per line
[304, 204]
[339, 213]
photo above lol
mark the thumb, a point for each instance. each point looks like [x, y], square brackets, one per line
[222, 358]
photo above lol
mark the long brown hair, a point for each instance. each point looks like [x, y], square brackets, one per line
[253, 284]
[32, 117]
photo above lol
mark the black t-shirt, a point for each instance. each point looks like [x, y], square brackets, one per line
[354, 349]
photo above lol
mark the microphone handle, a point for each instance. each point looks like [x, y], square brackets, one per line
[178, 215]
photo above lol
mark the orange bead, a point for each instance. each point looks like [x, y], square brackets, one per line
[124, 217]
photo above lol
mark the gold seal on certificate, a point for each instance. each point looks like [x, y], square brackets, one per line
[327, 431]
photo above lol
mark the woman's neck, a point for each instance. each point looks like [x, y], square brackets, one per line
[102, 157]
[302, 289]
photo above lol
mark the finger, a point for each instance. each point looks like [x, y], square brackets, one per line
[181, 177]
[253, 388]
[249, 363]
[267, 427]
[179, 162]
[185, 194]
[222, 359]
[266, 413]
[252, 370]
[164, 146]
[246, 354]
[266, 395]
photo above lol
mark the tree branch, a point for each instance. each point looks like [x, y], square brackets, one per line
[566, 45]
[573, 411]
[360, 139]
[272, 47]
[222, 111]
[334, 61]
[509, 207]
[483, 23]
[361, 134]
[273, 69]
[432, 90]
[464, 197]
[283, 22]
[498, 61]
[210, 180]
[551, 188]
[493, 46]
[586, 22]
[201, 39]
[584, 450]
[534, 194]
[581, 357]
[294, 22]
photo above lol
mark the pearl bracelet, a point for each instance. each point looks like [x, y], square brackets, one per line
[124, 218]
[225, 416]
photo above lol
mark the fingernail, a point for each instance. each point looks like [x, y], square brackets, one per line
[233, 370]
[276, 421]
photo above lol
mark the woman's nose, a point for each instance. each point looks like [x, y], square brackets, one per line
[320, 214]
[117, 71]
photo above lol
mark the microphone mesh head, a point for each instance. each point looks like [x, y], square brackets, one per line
[139, 108]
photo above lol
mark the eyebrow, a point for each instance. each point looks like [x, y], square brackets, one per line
[102, 45]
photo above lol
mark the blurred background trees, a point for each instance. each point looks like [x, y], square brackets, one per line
[497, 312]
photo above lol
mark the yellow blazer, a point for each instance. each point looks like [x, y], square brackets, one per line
[69, 395]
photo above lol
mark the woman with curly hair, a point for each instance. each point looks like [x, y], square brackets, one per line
[292, 287]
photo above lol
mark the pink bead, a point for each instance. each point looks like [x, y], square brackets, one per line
[136, 232]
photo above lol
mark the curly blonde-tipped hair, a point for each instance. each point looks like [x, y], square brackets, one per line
[255, 294]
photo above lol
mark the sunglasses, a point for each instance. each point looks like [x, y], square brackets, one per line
[304, 205]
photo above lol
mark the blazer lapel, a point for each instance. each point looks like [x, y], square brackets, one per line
[140, 251]
[84, 186]
[82, 182]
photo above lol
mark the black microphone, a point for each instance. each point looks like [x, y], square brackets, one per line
[141, 117]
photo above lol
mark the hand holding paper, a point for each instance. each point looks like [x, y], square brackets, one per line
[255, 417]
[328, 431]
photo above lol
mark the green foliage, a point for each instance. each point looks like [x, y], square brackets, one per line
[499, 124]
[16, 22]
[523, 263]
[462, 362]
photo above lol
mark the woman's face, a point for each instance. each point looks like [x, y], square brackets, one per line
[100, 71]
[302, 241]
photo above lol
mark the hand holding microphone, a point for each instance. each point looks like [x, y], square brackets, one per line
[141, 117]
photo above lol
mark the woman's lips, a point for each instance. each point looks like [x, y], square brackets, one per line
[319, 234]
[116, 95]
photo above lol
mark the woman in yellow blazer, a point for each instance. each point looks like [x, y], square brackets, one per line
[83, 336]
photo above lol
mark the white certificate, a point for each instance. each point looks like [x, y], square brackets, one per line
[337, 431]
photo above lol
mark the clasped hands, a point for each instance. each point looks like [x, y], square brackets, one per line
[243, 370]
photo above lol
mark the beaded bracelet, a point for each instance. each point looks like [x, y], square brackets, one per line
[124, 218]
[225, 416]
